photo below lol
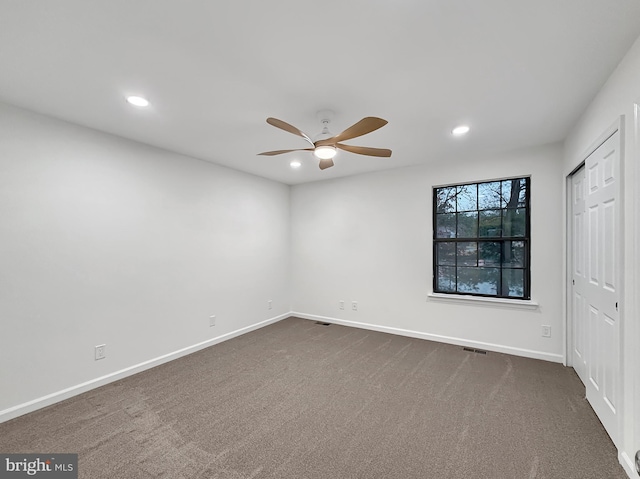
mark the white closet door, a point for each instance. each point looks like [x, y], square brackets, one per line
[596, 273]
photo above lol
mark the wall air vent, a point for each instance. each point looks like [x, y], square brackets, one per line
[471, 350]
[323, 324]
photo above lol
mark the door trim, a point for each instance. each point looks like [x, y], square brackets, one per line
[635, 259]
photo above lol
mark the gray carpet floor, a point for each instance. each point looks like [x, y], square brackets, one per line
[300, 400]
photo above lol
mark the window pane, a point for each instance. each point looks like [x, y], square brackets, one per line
[490, 223]
[467, 225]
[478, 280]
[446, 279]
[489, 195]
[467, 199]
[468, 253]
[522, 198]
[512, 192]
[446, 225]
[489, 253]
[505, 194]
[513, 283]
[446, 199]
[514, 254]
[514, 222]
[446, 253]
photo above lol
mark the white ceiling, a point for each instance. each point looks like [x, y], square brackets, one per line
[519, 72]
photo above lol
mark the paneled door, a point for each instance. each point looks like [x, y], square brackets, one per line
[579, 276]
[596, 224]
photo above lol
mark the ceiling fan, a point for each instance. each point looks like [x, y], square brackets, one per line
[325, 145]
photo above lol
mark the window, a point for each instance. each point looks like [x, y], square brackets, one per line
[481, 239]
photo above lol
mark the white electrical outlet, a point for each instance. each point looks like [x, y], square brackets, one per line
[212, 320]
[101, 351]
[341, 304]
[546, 331]
[269, 304]
[354, 305]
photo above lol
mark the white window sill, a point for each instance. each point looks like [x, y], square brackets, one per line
[483, 301]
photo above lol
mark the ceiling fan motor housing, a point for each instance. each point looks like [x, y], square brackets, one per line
[324, 152]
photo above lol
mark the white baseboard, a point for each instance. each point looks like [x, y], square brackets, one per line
[527, 353]
[58, 396]
[628, 465]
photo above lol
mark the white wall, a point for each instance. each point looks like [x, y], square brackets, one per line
[368, 238]
[104, 240]
[617, 98]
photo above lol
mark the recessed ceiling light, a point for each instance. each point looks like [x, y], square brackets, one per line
[295, 164]
[138, 101]
[460, 130]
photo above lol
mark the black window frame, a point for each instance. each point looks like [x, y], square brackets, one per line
[504, 241]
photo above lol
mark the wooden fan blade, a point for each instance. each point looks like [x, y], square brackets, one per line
[326, 163]
[283, 125]
[364, 150]
[364, 126]
[280, 152]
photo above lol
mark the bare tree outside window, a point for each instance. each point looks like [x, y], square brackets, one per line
[481, 239]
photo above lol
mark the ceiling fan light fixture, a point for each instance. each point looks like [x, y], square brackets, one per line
[325, 152]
